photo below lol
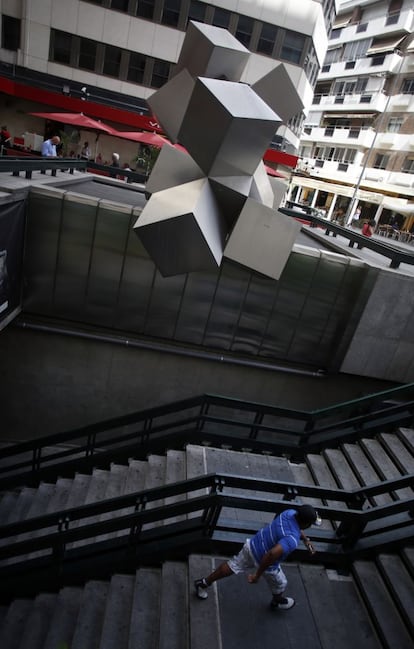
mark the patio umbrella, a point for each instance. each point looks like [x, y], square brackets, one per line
[152, 139]
[81, 121]
[77, 119]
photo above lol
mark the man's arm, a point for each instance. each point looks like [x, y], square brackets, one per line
[307, 542]
[268, 559]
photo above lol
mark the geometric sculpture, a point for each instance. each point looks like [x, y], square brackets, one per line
[183, 226]
[217, 199]
[259, 229]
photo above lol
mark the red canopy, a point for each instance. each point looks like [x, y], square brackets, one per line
[273, 172]
[145, 137]
[77, 119]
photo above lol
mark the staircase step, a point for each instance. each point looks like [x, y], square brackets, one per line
[145, 618]
[407, 554]
[176, 471]
[96, 488]
[397, 450]
[7, 504]
[63, 621]
[155, 477]
[387, 620]
[91, 615]
[14, 622]
[114, 487]
[384, 465]
[117, 620]
[340, 616]
[174, 633]
[196, 467]
[400, 584]
[302, 475]
[407, 436]
[365, 472]
[204, 615]
[79, 489]
[345, 478]
[324, 478]
[44, 494]
[135, 481]
[37, 622]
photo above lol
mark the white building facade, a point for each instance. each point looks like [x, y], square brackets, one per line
[357, 146]
[106, 57]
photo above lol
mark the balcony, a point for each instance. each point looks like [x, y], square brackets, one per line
[397, 21]
[349, 137]
[368, 65]
[372, 101]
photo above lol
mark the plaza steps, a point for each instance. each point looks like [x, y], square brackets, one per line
[384, 586]
[155, 608]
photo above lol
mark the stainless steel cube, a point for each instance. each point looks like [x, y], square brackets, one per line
[210, 51]
[182, 229]
[262, 239]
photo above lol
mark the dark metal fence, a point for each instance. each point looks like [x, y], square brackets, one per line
[206, 419]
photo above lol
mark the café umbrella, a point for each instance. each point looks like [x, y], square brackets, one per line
[81, 121]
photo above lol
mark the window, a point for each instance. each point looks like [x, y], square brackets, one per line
[87, 54]
[244, 30]
[136, 67]
[333, 56]
[171, 12]
[112, 61]
[408, 166]
[121, 5]
[293, 46]
[407, 87]
[378, 60]
[356, 49]
[10, 33]
[160, 73]
[145, 9]
[62, 45]
[381, 161]
[267, 39]
[221, 18]
[394, 124]
[197, 11]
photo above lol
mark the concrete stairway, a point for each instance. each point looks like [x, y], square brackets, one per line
[384, 587]
[156, 609]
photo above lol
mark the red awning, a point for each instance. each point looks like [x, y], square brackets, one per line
[77, 119]
[153, 139]
[273, 172]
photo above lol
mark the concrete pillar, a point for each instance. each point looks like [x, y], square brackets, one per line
[332, 207]
[378, 214]
[314, 197]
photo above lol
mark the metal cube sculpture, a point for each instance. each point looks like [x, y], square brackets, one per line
[217, 199]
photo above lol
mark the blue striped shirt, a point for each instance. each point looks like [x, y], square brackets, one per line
[284, 529]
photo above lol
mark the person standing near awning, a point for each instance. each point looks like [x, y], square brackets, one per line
[49, 147]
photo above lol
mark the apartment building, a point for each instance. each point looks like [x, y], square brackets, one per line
[357, 146]
[106, 57]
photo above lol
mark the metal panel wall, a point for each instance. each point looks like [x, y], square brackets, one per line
[84, 263]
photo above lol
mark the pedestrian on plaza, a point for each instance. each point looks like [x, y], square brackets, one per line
[49, 147]
[5, 138]
[85, 152]
[368, 228]
[265, 552]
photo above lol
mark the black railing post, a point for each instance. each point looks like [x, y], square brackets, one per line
[350, 531]
[90, 444]
[258, 419]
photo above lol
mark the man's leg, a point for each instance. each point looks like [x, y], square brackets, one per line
[201, 585]
[239, 563]
[277, 582]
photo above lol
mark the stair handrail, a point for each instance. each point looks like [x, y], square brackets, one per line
[353, 520]
[143, 429]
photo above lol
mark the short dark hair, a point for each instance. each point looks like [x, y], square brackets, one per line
[306, 515]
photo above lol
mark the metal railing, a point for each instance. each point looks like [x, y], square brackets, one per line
[195, 522]
[205, 419]
[28, 165]
[397, 256]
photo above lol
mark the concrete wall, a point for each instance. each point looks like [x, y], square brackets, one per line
[51, 382]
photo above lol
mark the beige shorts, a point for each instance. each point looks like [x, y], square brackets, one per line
[244, 561]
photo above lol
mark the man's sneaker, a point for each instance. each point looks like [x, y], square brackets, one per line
[283, 604]
[201, 586]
